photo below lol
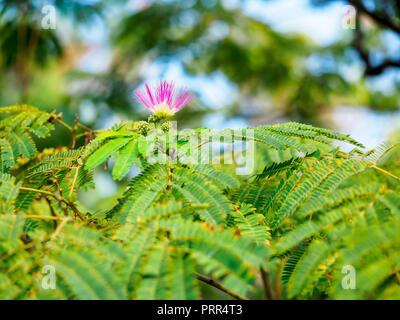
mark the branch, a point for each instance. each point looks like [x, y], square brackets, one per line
[267, 287]
[53, 213]
[370, 70]
[219, 286]
[59, 197]
[88, 132]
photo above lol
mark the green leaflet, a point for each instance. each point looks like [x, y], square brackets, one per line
[306, 268]
[184, 283]
[23, 144]
[155, 283]
[105, 151]
[251, 224]
[8, 193]
[7, 154]
[127, 156]
[76, 268]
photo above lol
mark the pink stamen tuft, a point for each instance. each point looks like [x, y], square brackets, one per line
[164, 98]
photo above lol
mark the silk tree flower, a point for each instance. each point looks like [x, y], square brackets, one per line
[164, 100]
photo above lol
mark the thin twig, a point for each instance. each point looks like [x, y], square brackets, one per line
[73, 139]
[84, 127]
[55, 180]
[53, 212]
[219, 286]
[59, 197]
[88, 134]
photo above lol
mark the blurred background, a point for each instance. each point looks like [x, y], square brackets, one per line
[249, 62]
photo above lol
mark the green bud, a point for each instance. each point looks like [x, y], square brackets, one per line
[152, 118]
[165, 126]
[157, 118]
[142, 127]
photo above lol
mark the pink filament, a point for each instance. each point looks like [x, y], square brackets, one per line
[164, 93]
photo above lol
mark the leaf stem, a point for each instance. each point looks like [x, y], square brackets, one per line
[74, 181]
[37, 190]
[67, 126]
[385, 172]
[219, 286]
[43, 217]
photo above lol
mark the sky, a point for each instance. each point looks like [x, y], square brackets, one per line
[323, 25]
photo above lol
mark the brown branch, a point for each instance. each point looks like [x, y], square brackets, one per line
[219, 286]
[84, 127]
[53, 213]
[55, 180]
[74, 209]
[61, 201]
[358, 43]
[370, 70]
[267, 287]
[88, 137]
[61, 198]
[277, 287]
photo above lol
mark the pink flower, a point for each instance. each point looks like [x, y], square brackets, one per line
[164, 100]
